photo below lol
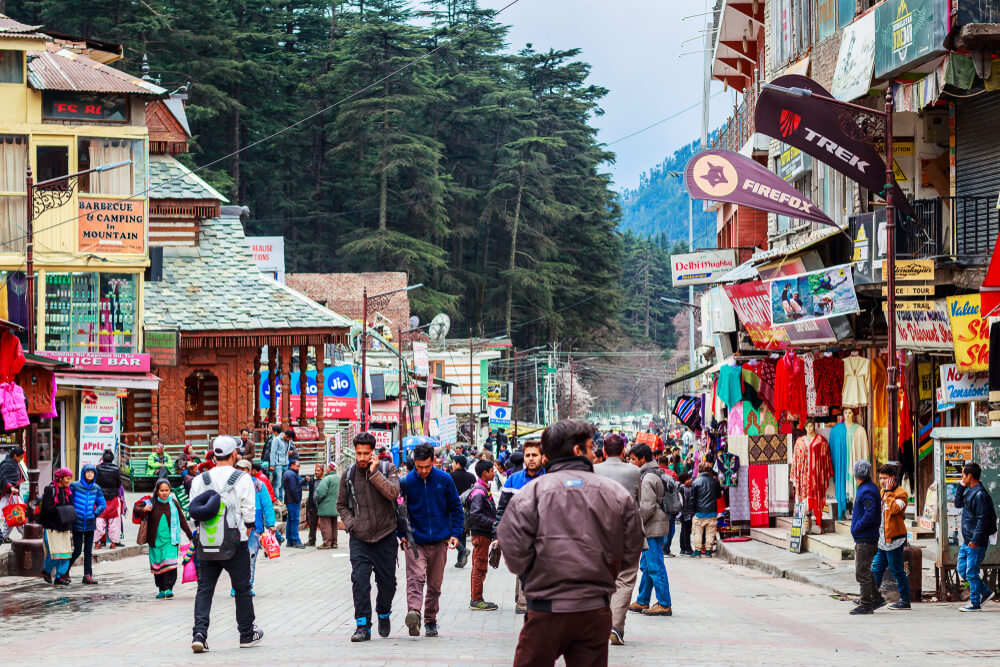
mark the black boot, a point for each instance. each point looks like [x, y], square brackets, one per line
[384, 628]
[362, 634]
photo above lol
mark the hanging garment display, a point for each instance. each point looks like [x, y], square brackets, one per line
[765, 370]
[811, 471]
[768, 422]
[739, 497]
[17, 298]
[840, 457]
[751, 387]
[790, 378]
[777, 489]
[734, 423]
[856, 382]
[880, 412]
[740, 446]
[728, 467]
[768, 449]
[11, 356]
[807, 365]
[857, 443]
[729, 389]
[759, 515]
[828, 374]
[751, 419]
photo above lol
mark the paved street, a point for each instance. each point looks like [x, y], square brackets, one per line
[723, 614]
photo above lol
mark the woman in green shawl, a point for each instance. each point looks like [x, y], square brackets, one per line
[164, 523]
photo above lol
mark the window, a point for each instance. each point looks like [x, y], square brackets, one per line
[90, 312]
[437, 368]
[13, 192]
[11, 66]
[126, 180]
[52, 162]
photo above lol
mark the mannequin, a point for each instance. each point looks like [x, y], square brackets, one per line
[811, 471]
[857, 446]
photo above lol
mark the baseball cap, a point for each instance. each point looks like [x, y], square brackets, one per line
[224, 445]
[243, 464]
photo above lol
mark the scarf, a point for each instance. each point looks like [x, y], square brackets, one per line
[175, 522]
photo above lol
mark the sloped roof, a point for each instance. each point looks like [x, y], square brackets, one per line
[60, 69]
[169, 179]
[11, 28]
[217, 287]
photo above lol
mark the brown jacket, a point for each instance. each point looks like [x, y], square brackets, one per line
[568, 534]
[153, 519]
[892, 513]
[371, 515]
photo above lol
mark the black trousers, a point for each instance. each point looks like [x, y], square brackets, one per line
[863, 556]
[312, 520]
[686, 535]
[462, 548]
[83, 541]
[238, 568]
[166, 581]
[367, 557]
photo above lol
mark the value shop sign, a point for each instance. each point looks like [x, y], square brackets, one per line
[959, 387]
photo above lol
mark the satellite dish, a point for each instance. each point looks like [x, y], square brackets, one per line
[439, 328]
[414, 321]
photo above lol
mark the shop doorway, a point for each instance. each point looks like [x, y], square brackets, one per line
[52, 445]
[201, 408]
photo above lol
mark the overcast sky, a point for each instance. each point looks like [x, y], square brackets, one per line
[633, 47]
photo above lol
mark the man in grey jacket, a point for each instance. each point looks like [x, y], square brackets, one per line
[656, 525]
[627, 475]
[568, 580]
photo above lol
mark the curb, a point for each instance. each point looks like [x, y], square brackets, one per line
[7, 568]
[777, 571]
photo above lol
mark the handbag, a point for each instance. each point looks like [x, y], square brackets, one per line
[66, 515]
[15, 514]
[143, 530]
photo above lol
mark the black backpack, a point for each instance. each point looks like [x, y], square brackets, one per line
[672, 502]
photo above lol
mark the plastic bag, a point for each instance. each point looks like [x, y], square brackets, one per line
[270, 545]
[15, 514]
[190, 572]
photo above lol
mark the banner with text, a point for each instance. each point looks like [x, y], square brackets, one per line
[959, 387]
[752, 304]
[970, 333]
[697, 268]
[922, 325]
[100, 424]
[112, 226]
[815, 295]
[340, 394]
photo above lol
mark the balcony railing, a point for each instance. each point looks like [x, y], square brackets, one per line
[740, 127]
[965, 227]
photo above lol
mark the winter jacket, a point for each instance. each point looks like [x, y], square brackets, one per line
[979, 516]
[865, 520]
[326, 495]
[568, 535]
[687, 511]
[624, 473]
[463, 480]
[292, 484]
[279, 451]
[88, 499]
[514, 483]
[893, 508]
[10, 474]
[655, 522]
[157, 512]
[109, 478]
[482, 510]
[370, 515]
[53, 496]
[706, 490]
[263, 507]
[267, 483]
[433, 505]
[155, 461]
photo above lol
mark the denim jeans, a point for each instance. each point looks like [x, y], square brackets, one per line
[969, 560]
[83, 542]
[670, 535]
[253, 543]
[893, 560]
[292, 524]
[654, 574]
[279, 488]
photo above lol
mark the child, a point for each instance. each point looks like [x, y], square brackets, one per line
[164, 523]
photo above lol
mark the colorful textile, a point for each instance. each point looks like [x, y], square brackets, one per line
[751, 419]
[828, 376]
[163, 554]
[730, 387]
[811, 471]
[688, 410]
[791, 378]
[763, 369]
[857, 445]
[728, 467]
[777, 489]
[807, 365]
[759, 516]
[880, 412]
[751, 387]
[734, 422]
[768, 449]
[840, 457]
[739, 497]
[768, 422]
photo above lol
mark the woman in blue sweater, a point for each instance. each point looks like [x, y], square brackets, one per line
[88, 500]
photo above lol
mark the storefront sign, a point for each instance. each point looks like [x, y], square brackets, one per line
[163, 346]
[908, 32]
[100, 425]
[421, 364]
[269, 255]
[942, 406]
[925, 371]
[959, 387]
[721, 175]
[698, 268]
[922, 325]
[792, 163]
[970, 333]
[340, 393]
[815, 295]
[101, 361]
[383, 439]
[66, 105]
[499, 417]
[853, 74]
[449, 430]
[861, 231]
[826, 18]
[913, 270]
[112, 226]
[909, 290]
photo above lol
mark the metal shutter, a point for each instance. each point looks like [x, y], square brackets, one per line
[977, 173]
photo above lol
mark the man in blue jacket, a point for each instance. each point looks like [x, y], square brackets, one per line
[88, 500]
[979, 522]
[292, 485]
[436, 520]
[864, 528]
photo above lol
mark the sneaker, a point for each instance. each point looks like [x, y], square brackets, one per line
[970, 607]
[168, 595]
[297, 546]
[161, 595]
[462, 560]
[482, 605]
[897, 606]
[694, 554]
[322, 546]
[63, 581]
[89, 579]
[879, 604]
[617, 637]
[670, 555]
[362, 634]
[657, 610]
[990, 594]
[861, 609]
[431, 629]
[384, 626]
[47, 577]
[199, 644]
[412, 622]
[252, 639]
[707, 554]
[638, 608]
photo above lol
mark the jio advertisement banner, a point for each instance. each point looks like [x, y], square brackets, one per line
[100, 425]
[340, 393]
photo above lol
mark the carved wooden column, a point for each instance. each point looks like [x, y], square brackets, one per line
[286, 385]
[256, 388]
[272, 369]
[303, 383]
[320, 386]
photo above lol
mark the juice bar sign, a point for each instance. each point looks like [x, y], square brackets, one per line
[112, 226]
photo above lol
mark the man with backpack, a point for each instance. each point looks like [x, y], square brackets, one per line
[436, 520]
[223, 506]
[366, 503]
[480, 515]
[979, 522]
[658, 496]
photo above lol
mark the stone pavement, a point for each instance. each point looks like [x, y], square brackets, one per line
[724, 614]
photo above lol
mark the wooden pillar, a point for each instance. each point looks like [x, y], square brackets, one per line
[303, 383]
[320, 386]
[286, 385]
[272, 370]
[256, 388]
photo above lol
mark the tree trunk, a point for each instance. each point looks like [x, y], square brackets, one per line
[513, 248]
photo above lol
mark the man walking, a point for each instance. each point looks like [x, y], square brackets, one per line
[366, 503]
[291, 484]
[656, 525]
[280, 455]
[436, 519]
[705, 491]
[892, 536]
[463, 482]
[569, 580]
[864, 529]
[532, 459]
[227, 495]
[628, 476]
[482, 517]
[979, 522]
[326, 507]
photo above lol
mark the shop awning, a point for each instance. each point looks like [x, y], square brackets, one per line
[113, 380]
[686, 376]
[990, 290]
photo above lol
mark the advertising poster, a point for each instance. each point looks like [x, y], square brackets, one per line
[970, 333]
[815, 295]
[100, 426]
[907, 31]
[114, 226]
[340, 393]
[956, 455]
[853, 75]
[421, 364]
[959, 387]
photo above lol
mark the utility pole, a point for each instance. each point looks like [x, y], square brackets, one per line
[472, 412]
[571, 384]
[513, 402]
[706, 86]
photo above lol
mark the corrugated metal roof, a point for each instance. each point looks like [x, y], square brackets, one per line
[61, 69]
[11, 28]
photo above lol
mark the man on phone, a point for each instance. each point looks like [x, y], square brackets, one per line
[979, 522]
[892, 536]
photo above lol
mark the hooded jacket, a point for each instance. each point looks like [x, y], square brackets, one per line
[568, 535]
[654, 522]
[705, 490]
[109, 478]
[482, 510]
[434, 507]
[88, 499]
[326, 494]
[263, 507]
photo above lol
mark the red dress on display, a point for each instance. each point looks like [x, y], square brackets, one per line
[790, 387]
[811, 471]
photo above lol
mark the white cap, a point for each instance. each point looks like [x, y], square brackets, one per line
[224, 445]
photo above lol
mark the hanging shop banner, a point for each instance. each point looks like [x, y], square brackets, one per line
[853, 76]
[699, 268]
[721, 175]
[421, 364]
[970, 333]
[860, 228]
[922, 325]
[752, 303]
[825, 131]
[959, 387]
[792, 163]
[990, 289]
[815, 295]
[340, 393]
[113, 226]
[100, 425]
[163, 346]
[908, 32]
